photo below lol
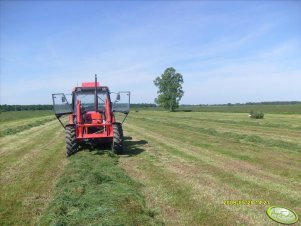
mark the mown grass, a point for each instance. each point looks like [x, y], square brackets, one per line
[94, 190]
[25, 126]
[243, 108]
[30, 164]
[17, 115]
[236, 137]
[206, 158]
[93, 187]
[13, 122]
[179, 167]
[265, 108]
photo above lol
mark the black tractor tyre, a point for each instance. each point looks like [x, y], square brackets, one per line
[117, 144]
[71, 143]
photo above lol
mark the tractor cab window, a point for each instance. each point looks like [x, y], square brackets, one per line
[61, 104]
[122, 102]
[87, 100]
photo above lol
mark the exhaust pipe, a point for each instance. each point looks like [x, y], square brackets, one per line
[95, 95]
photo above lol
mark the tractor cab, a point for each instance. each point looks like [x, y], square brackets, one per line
[90, 109]
[92, 113]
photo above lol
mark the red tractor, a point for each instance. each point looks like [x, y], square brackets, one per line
[91, 116]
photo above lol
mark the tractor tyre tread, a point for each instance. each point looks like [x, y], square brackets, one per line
[117, 145]
[71, 143]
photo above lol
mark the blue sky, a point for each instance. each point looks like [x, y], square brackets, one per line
[227, 51]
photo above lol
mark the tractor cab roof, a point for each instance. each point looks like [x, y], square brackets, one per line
[90, 86]
[99, 88]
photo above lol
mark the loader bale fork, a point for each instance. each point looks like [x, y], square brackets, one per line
[92, 116]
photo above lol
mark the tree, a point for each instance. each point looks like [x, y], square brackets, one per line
[170, 89]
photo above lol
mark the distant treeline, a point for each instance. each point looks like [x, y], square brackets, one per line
[274, 103]
[25, 107]
[6, 107]
[143, 105]
[248, 103]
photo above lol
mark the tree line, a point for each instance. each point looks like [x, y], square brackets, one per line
[34, 107]
[247, 103]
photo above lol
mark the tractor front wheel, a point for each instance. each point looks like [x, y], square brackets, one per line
[117, 145]
[71, 143]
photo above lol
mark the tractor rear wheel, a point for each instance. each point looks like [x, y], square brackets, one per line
[71, 143]
[117, 145]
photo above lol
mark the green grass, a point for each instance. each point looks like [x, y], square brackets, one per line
[208, 157]
[236, 137]
[244, 108]
[17, 121]
[273, 109]
[40, 186]
[30, 165]
[178, 168]
[94, 190]
[17, 115]
[21, 127]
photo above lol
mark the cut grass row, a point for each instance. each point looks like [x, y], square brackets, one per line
[94, 190]
[185, 165]
[31, 162]
[249, 150]
[39, 186]
[274, 109]
[20, 115]
[291, 122]
[244, 108]
[13, 128]
[209, 169]
[241, 137]
[17, 121]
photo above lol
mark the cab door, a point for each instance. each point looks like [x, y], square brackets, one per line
[61, 106]
[122, 102]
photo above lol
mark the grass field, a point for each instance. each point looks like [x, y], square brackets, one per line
[266, 108]
[39, 186]
[241, 108]
[178, 169]
[13, 122]
[192, 162]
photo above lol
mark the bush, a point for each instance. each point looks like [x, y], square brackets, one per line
[256, 114]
